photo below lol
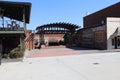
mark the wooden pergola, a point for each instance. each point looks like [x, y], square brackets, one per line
[56, 28]
[59, 28]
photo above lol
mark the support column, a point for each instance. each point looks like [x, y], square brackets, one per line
[1, 51]
[33, 39]
[24, 21]
[116, 42]
[21, 42]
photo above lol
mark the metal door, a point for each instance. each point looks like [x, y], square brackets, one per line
[118, 42]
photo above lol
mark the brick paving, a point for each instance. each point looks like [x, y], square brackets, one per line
[62, 51]
[56, 51]
[52, 54]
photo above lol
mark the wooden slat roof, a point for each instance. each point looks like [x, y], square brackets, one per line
[60, 24]
[14, 10]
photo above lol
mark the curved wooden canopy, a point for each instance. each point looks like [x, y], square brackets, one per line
[60, 25]
[54, 28]
[14, 10]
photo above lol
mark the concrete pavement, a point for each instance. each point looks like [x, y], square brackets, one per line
[105, 66]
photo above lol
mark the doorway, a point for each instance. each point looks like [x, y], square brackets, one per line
[9, 43]
[117, 42]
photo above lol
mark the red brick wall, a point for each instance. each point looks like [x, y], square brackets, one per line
[29, 40]
[56, 36]
[49, 37]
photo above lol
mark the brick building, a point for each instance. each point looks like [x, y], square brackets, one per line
[101, 29]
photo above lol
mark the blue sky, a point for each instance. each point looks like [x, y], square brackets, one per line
[70, 11]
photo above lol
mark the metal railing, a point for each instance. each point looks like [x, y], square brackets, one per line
[12, 29]
[9, 25]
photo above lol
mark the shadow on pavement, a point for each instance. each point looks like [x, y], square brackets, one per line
[79, 48]
[11, 60]
[91, 50]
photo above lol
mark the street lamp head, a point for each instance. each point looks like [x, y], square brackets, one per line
[1, 12]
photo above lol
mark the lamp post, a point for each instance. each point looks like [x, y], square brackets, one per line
[1, 15]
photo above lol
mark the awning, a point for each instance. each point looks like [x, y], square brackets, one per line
[14, 10]
[116, 33]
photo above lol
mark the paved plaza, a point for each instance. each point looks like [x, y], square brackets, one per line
[63, 51]
[93, 66]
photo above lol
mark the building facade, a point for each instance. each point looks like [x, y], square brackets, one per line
[12, 34]
[101, 29]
